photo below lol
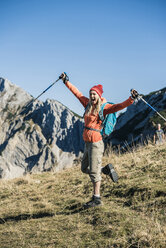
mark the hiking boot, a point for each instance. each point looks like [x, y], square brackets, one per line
[96, 201]
[110, 171]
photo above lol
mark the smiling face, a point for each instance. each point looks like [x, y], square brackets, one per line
[93, 97]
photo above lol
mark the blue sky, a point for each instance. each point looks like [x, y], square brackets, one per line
[120, 44]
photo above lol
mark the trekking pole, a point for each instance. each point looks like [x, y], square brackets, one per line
[140, 97]
[33, 100]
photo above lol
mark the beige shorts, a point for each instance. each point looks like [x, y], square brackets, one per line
[92, 160]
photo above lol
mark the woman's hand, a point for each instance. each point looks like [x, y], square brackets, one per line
[134, 94]
[64, 77]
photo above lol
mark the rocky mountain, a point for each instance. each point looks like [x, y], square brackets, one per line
[138, 123]
[46, 136]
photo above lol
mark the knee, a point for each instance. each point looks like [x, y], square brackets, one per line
[95, 177]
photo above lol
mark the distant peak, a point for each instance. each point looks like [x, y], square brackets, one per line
[2, 79]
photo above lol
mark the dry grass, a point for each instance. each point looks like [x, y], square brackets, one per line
[45, 210]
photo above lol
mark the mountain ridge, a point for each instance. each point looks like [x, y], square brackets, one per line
[139, 121]
[47, 136]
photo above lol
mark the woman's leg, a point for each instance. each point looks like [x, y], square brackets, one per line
[95, 154]
[85, 160]
[96, 188]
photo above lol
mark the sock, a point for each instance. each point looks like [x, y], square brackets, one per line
[97, 196]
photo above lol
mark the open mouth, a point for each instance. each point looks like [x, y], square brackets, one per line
[93, 99]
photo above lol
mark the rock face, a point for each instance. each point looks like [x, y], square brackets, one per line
[137, 123]
[46, 136]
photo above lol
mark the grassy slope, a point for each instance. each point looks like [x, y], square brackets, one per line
[44, 210]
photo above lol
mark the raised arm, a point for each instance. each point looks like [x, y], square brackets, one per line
[84, 100]
[112, 108]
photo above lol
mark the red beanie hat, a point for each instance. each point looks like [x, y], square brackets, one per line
[98, 88]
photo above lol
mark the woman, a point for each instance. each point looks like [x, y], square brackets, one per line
[94, 146]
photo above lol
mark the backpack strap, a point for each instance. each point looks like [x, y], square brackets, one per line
[101, 115]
